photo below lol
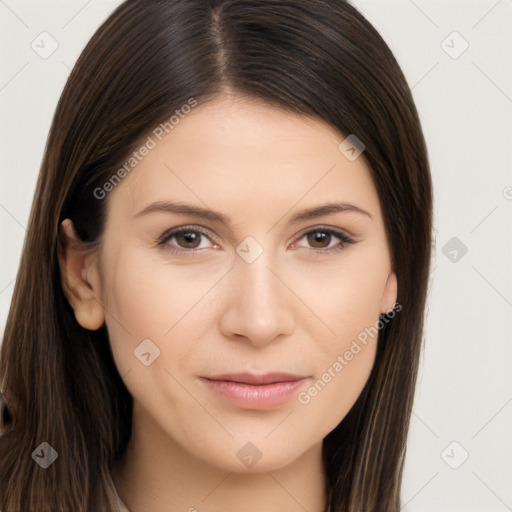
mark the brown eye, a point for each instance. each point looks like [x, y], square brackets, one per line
[325, 241]
[188, 239]
[319, 239]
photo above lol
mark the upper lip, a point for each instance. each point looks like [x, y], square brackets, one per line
[254, 379]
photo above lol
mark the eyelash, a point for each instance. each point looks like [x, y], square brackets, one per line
[164, 239]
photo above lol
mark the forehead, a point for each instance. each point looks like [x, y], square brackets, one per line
[243, 155]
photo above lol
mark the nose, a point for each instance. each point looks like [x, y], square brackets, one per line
[260, 306]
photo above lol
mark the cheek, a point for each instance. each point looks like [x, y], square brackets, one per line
[333, 392]
[350, 306]
[148, 299]
[346, 300]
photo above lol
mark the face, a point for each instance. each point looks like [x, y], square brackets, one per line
[257, 283]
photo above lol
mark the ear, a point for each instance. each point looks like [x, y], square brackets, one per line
[80, 278]
[389, 295]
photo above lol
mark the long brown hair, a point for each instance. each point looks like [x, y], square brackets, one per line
[318, 58]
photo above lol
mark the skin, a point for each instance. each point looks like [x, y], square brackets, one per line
[293, 309]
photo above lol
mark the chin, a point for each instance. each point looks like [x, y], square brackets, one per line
[246, 457]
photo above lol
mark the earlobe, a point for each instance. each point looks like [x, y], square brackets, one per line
[390, 294]
[79, 276]
[90, 315]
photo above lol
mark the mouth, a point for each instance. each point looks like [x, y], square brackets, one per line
[257, 380]
[251, 391]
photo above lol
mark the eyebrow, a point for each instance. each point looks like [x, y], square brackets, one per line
[211, 215]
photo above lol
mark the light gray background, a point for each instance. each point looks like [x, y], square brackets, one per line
[465, 392]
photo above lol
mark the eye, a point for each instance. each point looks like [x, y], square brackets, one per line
[191, 240]
[186, 239]
[326, 241]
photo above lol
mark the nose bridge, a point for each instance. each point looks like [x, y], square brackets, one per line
[259, 283]
[259, 307]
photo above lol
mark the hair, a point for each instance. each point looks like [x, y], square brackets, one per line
[318, 58]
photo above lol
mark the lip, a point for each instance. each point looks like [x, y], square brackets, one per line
[255, 379]
[251, 391]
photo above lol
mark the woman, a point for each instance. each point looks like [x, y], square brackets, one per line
[221, 296]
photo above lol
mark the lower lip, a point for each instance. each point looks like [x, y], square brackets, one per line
[255, 397]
